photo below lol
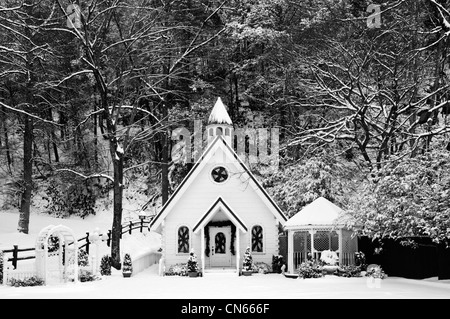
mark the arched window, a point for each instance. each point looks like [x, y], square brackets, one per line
[183, 240]
[211, 132]
[227, 131]
[220, 242]
[257, 239]
[219, 131]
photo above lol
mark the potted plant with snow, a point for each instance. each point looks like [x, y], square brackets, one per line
[247, 264]
[127, 265]
[330, 261]
[192, 264]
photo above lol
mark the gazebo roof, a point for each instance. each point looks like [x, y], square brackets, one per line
[320, 212]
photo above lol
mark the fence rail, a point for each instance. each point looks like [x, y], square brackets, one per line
[140, 224]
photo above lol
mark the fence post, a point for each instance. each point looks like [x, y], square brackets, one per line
[108, 241]
[15, 253]
[131, 225]
[142, 224]
[5, 269]
[87, 242]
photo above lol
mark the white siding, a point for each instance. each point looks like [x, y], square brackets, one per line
[238, 193]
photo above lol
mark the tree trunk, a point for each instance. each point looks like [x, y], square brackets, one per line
[24, 217]
[165, 160]
[6, 140]
[117, 217]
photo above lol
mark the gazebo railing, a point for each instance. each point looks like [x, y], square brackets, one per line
[301, 256]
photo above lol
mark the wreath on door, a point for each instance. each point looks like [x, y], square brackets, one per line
[220, 224]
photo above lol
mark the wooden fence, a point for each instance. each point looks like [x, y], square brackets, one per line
[84, 242]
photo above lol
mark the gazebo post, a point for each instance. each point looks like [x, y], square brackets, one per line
[312, 232]
[341, 257]
[291, 251]
[305, 240]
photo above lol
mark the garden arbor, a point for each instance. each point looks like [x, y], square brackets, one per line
[56, 254]
[317, 227]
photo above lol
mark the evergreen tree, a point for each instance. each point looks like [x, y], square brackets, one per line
[248, 260]
[105, 266]
[83, 258]
[127, 265]
[1, 267]
[192, 264]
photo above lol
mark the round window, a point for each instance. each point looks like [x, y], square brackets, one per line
[219, 174]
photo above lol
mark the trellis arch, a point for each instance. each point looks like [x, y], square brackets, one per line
[61, 264]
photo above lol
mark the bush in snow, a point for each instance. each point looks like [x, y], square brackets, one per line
[349, 271]
[105, 266]
[83, 258]
[375, 271]
[177, 270]
[127, 265]
[1, 267]
[310, 269]
[31, 281]
[192, 264]
[277, 262]
[248, 260]
[262, 267]
[86, 275]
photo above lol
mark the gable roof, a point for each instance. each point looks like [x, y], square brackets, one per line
[219, 114]
[321, 212]
[219, 141]
[219, 204]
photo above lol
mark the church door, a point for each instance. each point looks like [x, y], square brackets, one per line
[219, 239]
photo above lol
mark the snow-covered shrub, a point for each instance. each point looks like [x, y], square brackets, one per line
[310, 269]
[360, 260]
[1, 267]
[127, 265]
[247, 264]
[349, 271]
[53, 243]
[375, 272]
[192, 264]
[277, 262]
[105, 266]
[83, 258]
[262, 267]
[31, 281]
[86, 275]
[177, 270]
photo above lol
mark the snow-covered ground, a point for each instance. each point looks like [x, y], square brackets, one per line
[149, 285]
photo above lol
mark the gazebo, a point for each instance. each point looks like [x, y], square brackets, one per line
[319, 226]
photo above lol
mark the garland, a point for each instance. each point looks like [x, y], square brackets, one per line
[220, 224]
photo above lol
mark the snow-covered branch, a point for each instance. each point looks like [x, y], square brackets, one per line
[84, 176]
[19, 111]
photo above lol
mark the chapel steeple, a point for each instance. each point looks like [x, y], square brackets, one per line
[219, 123]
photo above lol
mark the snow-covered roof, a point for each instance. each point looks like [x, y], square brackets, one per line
[219, 114]
[320, 212]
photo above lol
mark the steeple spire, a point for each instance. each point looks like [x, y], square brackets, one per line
[219, 123]
[219, 114]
